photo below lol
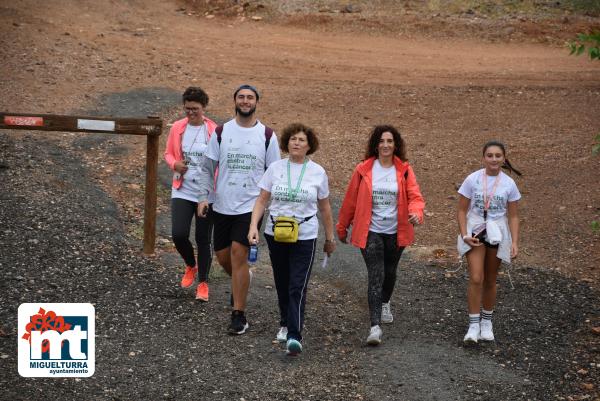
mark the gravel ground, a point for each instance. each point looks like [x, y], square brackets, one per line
[62, 241]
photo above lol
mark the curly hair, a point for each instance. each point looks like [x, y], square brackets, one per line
[292, 129]
[195, 94]
[375, 137]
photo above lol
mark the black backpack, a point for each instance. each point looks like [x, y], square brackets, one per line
[268, 135]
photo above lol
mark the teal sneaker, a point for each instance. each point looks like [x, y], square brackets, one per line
[294, 347]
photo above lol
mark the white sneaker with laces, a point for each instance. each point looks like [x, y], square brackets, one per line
[486, 333]
[472, 334]
[386, 313]
[282, 334]
[375, 336]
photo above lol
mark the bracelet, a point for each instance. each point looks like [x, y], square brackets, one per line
[465, 237]
[331, 241]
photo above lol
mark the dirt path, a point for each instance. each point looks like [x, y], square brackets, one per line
[447, 96]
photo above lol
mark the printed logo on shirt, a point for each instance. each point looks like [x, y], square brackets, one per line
[281, 193]
[240, 162]
[56, 340]
[384, 197]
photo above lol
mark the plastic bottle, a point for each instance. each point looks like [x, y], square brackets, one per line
[253, 254]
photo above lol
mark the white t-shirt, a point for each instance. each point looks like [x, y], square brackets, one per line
[314, 186]
[193, 146]
[384, 218]
[506, 191]
[242, 160]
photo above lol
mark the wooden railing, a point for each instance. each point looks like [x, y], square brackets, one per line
[151, 127]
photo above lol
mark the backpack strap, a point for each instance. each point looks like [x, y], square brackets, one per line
[268, 135]
[219, 131]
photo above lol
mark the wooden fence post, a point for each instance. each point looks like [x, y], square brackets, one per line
[150, 192]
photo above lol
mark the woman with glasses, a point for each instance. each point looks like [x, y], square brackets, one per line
[186, 145]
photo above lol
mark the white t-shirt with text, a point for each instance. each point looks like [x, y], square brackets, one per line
[193, 146]
[313, 187]
[242, 159]
[384, 218]
[506, 191]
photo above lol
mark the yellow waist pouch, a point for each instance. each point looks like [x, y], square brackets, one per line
[285, 229]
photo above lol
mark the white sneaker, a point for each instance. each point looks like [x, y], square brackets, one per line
[375, 336]
[386, 313]
[472, 334]
[486, 333]
[282, 334]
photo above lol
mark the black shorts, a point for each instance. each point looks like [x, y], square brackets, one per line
[229, 228]
[488, 245]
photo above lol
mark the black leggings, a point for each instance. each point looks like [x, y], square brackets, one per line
[381, 256]
[182, 212]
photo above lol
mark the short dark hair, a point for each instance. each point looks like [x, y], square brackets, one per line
[195, 94]
[292, 129]
[375, 137]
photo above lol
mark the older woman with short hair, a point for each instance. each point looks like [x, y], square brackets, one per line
[297, 188]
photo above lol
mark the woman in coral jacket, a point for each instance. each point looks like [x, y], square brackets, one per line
[186, 144]
[382, 204]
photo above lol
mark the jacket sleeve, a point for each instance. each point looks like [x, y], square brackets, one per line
[170, 149]
[416, 203]
[348, 208]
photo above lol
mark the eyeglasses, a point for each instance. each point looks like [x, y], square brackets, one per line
[190, 110]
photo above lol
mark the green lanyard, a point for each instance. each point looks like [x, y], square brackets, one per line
[292, 193]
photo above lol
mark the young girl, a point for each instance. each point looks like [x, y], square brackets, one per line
[489, 233]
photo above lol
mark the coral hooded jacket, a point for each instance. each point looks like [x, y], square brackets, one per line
[173, 152]
[358, 203]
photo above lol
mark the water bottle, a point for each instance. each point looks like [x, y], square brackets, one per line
[253, 254]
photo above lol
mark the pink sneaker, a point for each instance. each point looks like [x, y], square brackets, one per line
[202, 291]
[189, 276]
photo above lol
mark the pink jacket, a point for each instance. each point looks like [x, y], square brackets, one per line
[357, 206]
[173, 152]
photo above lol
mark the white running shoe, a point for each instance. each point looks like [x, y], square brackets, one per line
[486, 333]
[282, 334]
[472, 334]
[386, 313]
[375, 336]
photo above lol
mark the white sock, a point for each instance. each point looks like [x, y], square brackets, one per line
[486, 314]
[473, 318]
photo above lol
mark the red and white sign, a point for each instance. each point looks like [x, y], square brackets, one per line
[24, 120]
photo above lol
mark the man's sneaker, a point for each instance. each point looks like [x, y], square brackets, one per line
[239, 324]
[189, 276]
[375, 336]
[282, 334]
[247, 294]
[386, 313]
[486, 333]
[202, 291]
[293, 347]
[472, 334]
